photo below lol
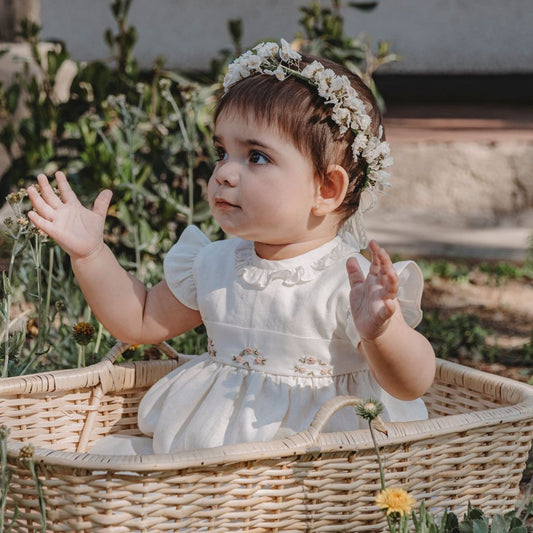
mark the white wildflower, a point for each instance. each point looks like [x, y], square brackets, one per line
[279, 73]
[311, 70]
[359, 142]
[266, 50]
[287, 53]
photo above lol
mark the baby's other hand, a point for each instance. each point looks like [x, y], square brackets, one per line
[372, 299]
[78, 230]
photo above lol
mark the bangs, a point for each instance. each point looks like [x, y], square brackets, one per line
[285, 105]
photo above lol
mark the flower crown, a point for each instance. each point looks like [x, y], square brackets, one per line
[349, 111]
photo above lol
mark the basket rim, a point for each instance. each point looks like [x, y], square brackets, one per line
[307, 442]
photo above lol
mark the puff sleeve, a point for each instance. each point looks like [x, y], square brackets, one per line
[179, 265]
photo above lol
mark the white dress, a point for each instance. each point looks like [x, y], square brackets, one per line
[281, 342]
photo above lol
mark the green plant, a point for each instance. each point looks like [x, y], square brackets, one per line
[323, 35]
[5, 480]
[398, 503]
[26, 457]
[444, 268]
[461, 334]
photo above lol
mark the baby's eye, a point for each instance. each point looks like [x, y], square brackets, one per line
[221, 153]
[258, 158]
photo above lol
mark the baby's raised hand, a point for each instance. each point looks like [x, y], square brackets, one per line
[78, 230]
[372, 299]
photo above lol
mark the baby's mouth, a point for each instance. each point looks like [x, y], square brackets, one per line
[220, 202]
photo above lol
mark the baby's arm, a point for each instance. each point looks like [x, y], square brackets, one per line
[119, 301]
[401, 359]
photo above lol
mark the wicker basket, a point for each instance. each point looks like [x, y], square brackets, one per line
[473, 448]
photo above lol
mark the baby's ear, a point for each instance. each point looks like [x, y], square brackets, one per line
[332, 190]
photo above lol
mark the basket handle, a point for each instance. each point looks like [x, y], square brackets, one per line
[324, 414]
[121, 347]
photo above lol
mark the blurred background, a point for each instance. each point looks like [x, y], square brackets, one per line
[457, 92]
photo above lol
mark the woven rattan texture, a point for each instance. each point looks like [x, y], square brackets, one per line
[473, 448]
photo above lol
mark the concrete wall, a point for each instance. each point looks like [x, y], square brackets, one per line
[434, 36]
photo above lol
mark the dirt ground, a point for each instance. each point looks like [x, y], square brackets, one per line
[505, 309]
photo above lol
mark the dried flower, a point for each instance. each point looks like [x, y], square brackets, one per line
[16, 197]
[32, 327]
[26, 453]
[369, 409]
[395, 501]
[164, 84]
[4, 432]
[83, 333]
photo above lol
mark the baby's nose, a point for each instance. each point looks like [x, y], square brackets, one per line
[227, 174]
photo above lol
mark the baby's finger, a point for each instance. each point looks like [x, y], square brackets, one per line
[39, 204]
[391, 283]
[387, 310]
[101, 204]
[47, 192]
[67, 194]
[375, 265]
[355, 274]
[40, 222]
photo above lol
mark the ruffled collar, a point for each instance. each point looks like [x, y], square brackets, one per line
[259, 272]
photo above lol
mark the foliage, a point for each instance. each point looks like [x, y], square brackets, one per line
[397, 503]
[461, 334]
[323, 35]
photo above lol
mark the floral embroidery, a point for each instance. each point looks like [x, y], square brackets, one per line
[310, 366]
[249, 357]
[211, 348]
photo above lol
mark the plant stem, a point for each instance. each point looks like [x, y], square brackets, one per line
[41, 333]
[380, 463]
[82, 348]
[7, 286]
[98, 338]
[40, 493]
[4, 482]
[190, 156]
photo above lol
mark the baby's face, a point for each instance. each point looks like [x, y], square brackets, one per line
[263, 188]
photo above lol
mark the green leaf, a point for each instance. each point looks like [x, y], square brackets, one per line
[12, 97]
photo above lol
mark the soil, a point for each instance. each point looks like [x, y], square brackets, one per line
[504, 308]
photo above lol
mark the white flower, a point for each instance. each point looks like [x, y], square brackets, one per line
[279, 73]
[359, 142]
[236, 72]
[266, 50]
[310, 70]
[287, 53]
[254, 62]
[342, 117]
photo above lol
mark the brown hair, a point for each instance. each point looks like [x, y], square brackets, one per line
[295, 108]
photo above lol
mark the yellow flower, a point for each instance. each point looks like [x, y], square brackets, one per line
[395, 500]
